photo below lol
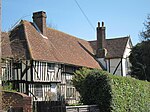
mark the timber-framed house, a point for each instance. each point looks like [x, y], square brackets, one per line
[40, 61]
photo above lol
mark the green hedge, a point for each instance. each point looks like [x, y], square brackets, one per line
[129, 95]
[112, 93]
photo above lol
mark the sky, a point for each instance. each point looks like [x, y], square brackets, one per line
[121, 17]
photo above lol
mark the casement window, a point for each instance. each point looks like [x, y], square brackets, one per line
[38, 91]
[50, 71]
[50, 66]
[70, 93]
[16, 65]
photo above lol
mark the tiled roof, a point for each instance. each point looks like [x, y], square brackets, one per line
[5, 43]
[115, 47]
[56, 47]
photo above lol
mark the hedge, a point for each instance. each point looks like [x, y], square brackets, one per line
[129, 95]
[113, 93]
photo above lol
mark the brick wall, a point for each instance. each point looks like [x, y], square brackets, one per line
[17, 101]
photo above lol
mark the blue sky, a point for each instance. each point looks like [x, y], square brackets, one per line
[121, 17]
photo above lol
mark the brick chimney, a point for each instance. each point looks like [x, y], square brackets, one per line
[39, 18]
[101, 51]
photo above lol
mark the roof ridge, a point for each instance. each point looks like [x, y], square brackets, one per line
[112, 38]
[25, 21]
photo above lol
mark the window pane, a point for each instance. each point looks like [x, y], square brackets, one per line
[70, 92]
[38, 90]
[50, 66]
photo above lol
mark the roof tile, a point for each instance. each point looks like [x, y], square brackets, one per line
[115, 47]
[57, 47]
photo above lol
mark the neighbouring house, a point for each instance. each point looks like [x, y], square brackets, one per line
[40, 61]
[113, 54]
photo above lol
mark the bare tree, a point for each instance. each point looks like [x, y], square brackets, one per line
[52, 25]
[145, 34]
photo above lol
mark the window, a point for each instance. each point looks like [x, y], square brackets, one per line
[70, 90]
[50, 66]
[16, 65]
[70, 93]
[38, 90]
[50, 71]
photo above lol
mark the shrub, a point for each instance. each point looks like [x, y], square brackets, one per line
[93, 87]
[79, 77]
[129, 95]
[112, 93]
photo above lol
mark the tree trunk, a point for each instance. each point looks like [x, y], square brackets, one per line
[0, 60]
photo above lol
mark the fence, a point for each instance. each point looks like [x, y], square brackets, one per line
[59, 106]
[84, 108]
[49, 106]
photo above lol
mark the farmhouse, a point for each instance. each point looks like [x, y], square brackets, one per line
[40, 61]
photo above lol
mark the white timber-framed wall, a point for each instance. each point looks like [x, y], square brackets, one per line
[120, 66]
[42, 80]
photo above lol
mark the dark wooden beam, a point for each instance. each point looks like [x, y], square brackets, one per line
[121, 68]
[25, 71]
[31, 68]
[31, 82]
[117, 66]
[109, 64]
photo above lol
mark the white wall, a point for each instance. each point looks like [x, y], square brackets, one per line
[126, 61]
[103, 62]
[113, 65]
[48, 92]
[125, 66]
[127, 49]
[46, 72]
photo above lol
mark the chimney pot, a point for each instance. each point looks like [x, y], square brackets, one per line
[102, 24]
[98, 24]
